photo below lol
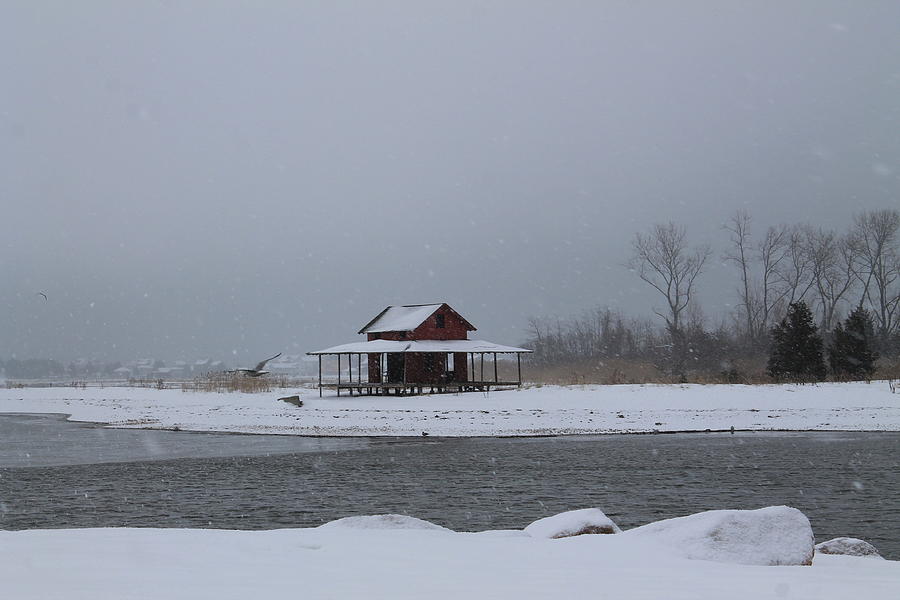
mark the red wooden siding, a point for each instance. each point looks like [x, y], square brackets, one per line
[425, 368]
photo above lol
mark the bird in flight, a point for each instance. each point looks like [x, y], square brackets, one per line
[42, 294]
[258, 369]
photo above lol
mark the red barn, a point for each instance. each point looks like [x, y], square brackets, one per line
[415, 347]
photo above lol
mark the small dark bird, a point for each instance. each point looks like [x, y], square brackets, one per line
[42, 294]
[424, 434]
[258, 369]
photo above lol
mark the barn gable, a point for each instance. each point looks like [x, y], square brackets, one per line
[415, 317]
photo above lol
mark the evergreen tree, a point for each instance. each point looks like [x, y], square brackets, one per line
[796, 351]
[850, 353]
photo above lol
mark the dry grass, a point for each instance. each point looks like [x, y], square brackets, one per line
[623, 371]
[888, 368]
[747, 371]
[608, 372]
[236, 382]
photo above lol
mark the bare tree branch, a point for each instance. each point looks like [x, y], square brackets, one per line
[663, 260]
[877, 266]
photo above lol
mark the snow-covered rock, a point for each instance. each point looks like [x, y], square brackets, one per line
[573, 522]
[777, 535]
[383, 522]
[848, 546]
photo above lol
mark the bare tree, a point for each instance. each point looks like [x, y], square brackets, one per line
[772, 251]
[537, 339]
[877, 266]
[831, 258]
[795, 271]
[739, 254]
[761, 293]
[663, 260]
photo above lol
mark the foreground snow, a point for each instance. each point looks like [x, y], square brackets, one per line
[400, 557]
[545, 410]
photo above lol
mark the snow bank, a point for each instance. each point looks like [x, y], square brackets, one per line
[573, 522]
[848, 546]
[777, 535]
[383, 522]
[347, 563]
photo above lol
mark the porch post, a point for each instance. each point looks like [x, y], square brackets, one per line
[495, 368]
[320, 376]
[339, 375]
[482, 366]
[519, 367]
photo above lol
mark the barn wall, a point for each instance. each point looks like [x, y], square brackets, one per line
[374, 368]
[416, 371]
[454, 327]
[460, 366]
[424, 368]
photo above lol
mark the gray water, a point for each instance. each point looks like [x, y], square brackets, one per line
[846, 483]
[50, 440]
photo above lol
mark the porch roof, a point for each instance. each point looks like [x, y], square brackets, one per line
[427, 346]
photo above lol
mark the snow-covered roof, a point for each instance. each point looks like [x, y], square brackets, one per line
[392, 346]
[400, 318]
[404, 318]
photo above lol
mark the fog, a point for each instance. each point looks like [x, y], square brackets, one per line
[234, 179]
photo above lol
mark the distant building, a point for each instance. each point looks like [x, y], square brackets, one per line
[123, 373]
[417, 347]
[169, 373]
[143, 368]
[308, 366]
[286, 365]
[206, 365]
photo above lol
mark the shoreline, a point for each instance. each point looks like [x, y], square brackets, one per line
[547, 411]
[101, 425]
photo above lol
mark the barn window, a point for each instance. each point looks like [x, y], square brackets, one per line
[439, 321]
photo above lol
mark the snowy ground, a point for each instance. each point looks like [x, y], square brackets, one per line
[435, 564]
[547, 410]
[339, 562]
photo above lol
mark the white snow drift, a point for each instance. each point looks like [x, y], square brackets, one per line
[391, 556]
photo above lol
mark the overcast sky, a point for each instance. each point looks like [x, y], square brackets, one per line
[234, 179]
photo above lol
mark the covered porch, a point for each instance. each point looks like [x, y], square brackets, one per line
[393, 367]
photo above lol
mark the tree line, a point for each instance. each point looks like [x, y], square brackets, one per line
[797, 350]
[830, 273]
